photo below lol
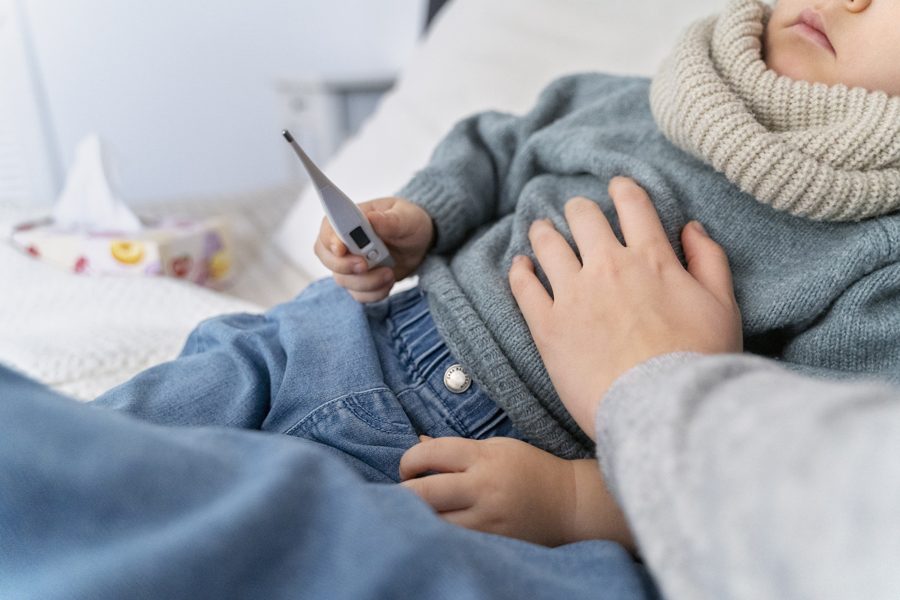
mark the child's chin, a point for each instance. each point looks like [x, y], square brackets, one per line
[790, 59]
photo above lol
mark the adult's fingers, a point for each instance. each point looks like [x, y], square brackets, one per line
[553, 252]
[530, 295]
[638, 218]
[707, 262]
[444, 491]
[590, 228]
[443, 455]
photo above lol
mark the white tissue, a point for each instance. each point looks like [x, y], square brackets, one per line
[87, 201]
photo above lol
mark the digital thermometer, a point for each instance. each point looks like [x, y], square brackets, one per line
[348, 222]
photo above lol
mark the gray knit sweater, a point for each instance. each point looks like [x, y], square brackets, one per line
[823, 296]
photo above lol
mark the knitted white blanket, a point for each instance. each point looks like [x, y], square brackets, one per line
[83, 335]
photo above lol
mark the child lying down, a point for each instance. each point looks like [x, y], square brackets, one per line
[776, 128]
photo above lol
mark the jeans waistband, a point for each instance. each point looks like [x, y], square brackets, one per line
[426, 356]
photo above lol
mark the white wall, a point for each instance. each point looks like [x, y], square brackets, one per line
[183, 90]
[28, 161]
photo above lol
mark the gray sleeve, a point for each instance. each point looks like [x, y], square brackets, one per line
[742, 480]
[461, 188]
[472, 177]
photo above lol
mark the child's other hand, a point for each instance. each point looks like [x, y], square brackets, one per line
[621, 305]
[499, 485]
[404, 227]
[507, 487]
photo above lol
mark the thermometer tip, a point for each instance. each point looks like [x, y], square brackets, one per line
[287, 135]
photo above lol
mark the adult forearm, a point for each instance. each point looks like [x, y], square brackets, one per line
[740, 479]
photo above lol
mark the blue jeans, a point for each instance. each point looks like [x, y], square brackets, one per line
[95, 504]
[362, 380]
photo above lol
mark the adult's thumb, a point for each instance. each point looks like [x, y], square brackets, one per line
[707, 262]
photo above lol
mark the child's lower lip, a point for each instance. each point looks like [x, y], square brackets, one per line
[815, 36]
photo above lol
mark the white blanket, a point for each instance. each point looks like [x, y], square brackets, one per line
[83, 334]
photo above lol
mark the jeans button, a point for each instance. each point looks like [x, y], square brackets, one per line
[456, 379]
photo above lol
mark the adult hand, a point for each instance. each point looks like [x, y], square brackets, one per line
[621, 305]
[507, 487]
[405, 228]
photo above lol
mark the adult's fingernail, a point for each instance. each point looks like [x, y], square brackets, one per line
[517, 259]
[699, 227]
[359, 268]
[334, 248]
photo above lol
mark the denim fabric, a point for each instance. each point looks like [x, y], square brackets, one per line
[97, 505]
[362, 380]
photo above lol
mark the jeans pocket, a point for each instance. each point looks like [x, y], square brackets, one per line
[369, 429]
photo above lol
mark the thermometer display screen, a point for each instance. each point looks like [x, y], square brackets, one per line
[359, 236]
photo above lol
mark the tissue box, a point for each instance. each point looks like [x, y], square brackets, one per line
[198, 251]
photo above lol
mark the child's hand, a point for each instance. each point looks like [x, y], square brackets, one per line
[622, 304]
[405, 228]
[511, 488]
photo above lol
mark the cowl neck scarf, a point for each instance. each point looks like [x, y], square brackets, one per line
[816, 151]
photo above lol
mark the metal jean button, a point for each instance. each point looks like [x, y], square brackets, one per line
[456, 379]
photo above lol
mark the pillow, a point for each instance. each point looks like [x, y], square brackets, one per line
[480, 55]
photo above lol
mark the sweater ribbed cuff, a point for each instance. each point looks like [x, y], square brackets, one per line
[444, 207]
[628, 408]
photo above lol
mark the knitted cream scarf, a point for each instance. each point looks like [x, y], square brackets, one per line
[826, 153]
